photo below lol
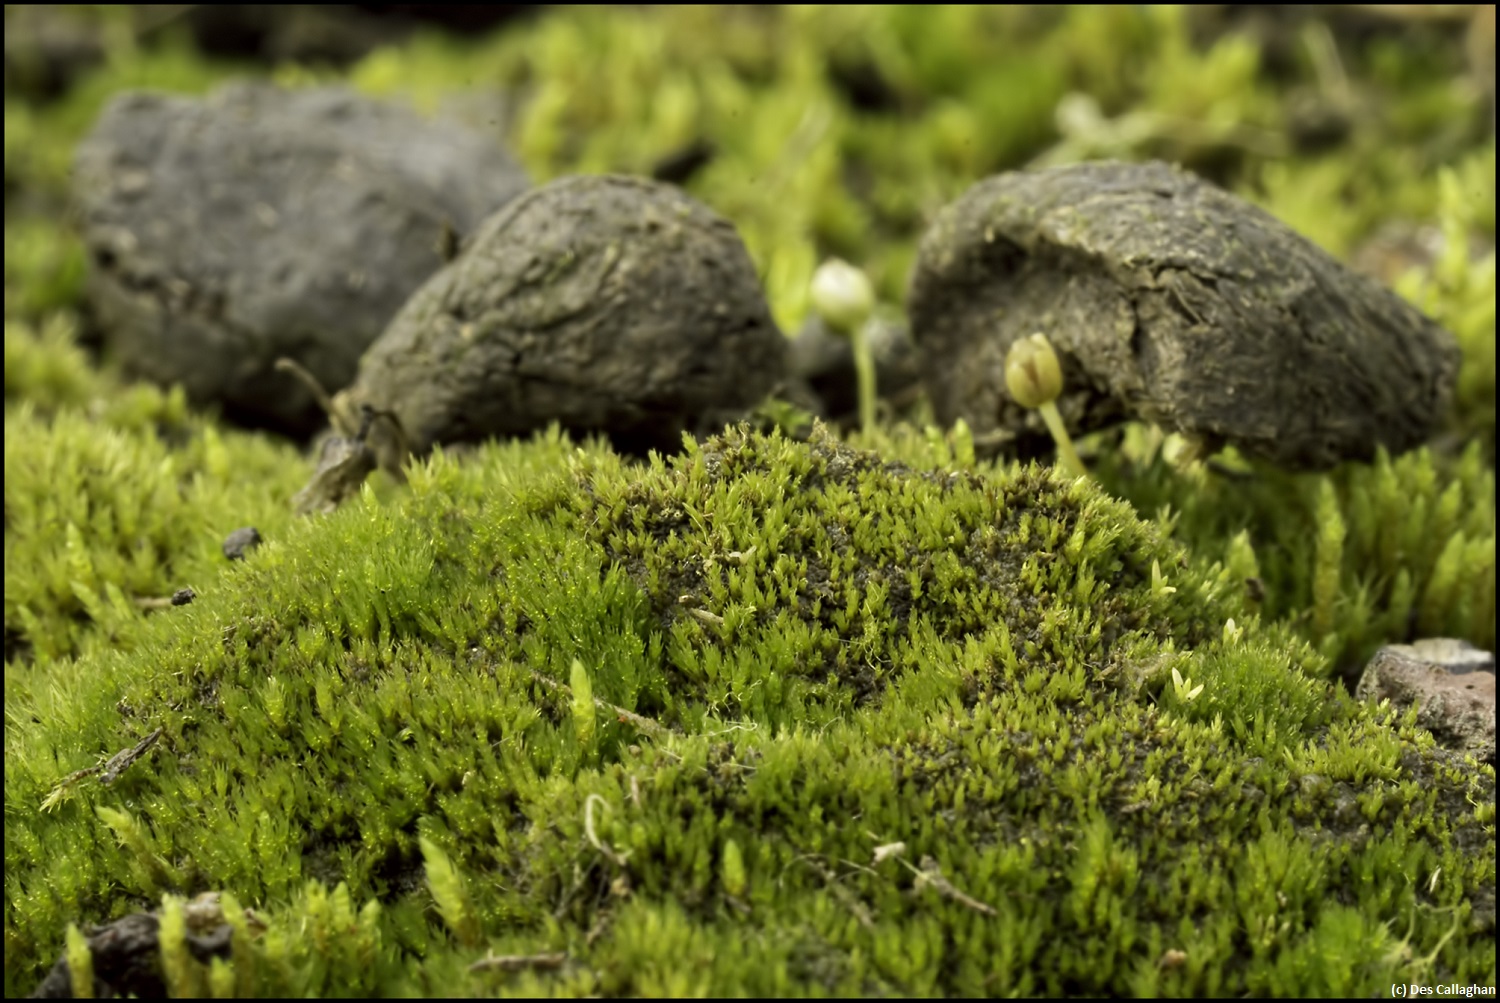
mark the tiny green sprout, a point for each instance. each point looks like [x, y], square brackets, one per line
[1232, 631]
[844, 299]
[583, 704]
[735, 878]
[1034, 377]
[179, 972]
[1186, 691]
[1159, 586]
[80, 962]
[449, 892]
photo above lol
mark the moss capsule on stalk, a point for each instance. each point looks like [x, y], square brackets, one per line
[1034, 377]
[844, 299]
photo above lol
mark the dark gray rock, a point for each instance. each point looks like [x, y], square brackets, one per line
[606, 304]
[1452, 682]
[1170, 301]
[226, 232]
[126, 953]
[343, 464]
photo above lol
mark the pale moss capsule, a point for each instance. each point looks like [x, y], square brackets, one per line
[1034, 377]
[844, 299]
[1032, 372]
[842, 295]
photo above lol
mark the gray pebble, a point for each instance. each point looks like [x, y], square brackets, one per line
[241, 542]
[1451, 681]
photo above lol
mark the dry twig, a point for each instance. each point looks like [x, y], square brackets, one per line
[519, 962]
[618, 859]
[645, 724]
[848, 899]
[932, 874]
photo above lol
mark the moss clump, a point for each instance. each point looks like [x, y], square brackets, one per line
[798, 650]
[1400, 548]
[113, 495]
[794, 583]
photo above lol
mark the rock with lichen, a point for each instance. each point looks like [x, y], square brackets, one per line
[1171, 301]
[226, 232]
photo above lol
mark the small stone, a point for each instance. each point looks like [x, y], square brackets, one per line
[1451, 681]
[605, 304]
[241, 542]
[1170, 301]
[126, 955]
[224, 233]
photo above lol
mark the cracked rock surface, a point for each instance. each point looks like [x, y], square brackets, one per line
[1170, 301]
[228, 231]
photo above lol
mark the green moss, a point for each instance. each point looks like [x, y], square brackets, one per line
[773, 716]
[1399, 548]
[966, 663]
[114, 494]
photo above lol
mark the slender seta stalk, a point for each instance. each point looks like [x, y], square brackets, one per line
[1065, 451]
[864, 372]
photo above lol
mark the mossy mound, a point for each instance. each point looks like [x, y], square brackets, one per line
[823, 573]
[914, 731]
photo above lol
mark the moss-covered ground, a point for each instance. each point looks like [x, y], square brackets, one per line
[822, 714]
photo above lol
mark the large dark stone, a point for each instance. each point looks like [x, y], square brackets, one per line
[126, 954]
[1170, 301]
[606, 304]
[228, 231]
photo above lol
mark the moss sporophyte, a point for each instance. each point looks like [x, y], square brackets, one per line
[1034, 378]
[844, 299]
